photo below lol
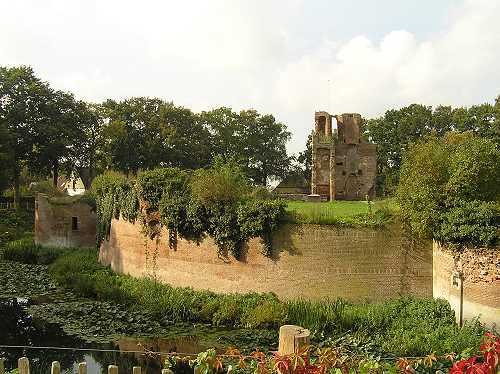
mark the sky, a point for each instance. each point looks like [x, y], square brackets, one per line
[284, 57]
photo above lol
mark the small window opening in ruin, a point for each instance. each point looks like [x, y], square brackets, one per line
[321, 124]
[343, 172]
[456, 280]
[360, 172]
[339, 163]
[74, 223]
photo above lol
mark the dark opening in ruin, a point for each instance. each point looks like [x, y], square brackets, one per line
[74, 223]
[321, 124]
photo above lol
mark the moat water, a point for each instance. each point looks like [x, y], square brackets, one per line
[22, 334]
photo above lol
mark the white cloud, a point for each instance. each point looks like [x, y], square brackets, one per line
[272, 56]
[458, 66]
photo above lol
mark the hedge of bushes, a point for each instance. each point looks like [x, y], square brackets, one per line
[219, 202]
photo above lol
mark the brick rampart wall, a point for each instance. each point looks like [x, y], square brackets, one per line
[309, 261]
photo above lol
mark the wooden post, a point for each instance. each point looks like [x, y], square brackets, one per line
[2, 366]
[56, 368]
[23, 364]
[82, 368]
[112, 369]
[292, 339]
[136, 370]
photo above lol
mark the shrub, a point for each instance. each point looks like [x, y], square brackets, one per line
[403, 326]
[76, 270]
[25, 250]
[449, 189]
[214, 202]
[268, 314]
[474, 222]
[114, 195]
[223, 183]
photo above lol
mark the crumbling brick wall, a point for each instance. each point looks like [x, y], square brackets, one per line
[470, 280]
[71, 224]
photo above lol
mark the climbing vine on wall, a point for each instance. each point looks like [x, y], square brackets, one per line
[217, 202]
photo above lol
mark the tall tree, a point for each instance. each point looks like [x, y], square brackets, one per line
[22, 108]
[56, 134]
[394, 133]
[88, 156]
[305, 159]
[6, 157]
[257, 142]
[142, 133]
[264, 146]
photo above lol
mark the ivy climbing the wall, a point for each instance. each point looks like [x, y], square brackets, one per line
[219, 202]
[115, 196]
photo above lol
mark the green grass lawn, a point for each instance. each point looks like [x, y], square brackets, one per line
[342, 212]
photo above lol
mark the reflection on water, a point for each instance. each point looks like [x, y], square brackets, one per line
[18, 328]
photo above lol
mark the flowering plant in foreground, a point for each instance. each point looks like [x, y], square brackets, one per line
[485, 364]
[334, 360]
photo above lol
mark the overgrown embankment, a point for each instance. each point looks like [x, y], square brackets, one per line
[399, 327]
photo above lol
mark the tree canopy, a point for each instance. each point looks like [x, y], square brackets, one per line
[49, 132]
[398, 129]
[449, 189]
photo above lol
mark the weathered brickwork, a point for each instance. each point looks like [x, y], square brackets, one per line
[344, 168]
[64, 225]
[310, 261]
[471, 279]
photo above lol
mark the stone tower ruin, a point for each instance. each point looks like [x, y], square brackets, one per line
[344, 165]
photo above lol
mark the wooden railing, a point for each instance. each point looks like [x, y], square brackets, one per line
[23, 366]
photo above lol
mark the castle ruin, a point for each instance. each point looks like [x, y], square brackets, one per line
[344, 165]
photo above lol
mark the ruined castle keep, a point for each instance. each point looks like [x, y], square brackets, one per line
[344, 165]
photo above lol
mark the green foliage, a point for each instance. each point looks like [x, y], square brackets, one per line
[24, 280]
[96, 321]
[217, 201]
[473, 222]
[398, 129]
[25, 250]
[14, 224]
[114, 195]
[78, 271]
[260, 218]
[449, 189]
[403, 326]
[152, 185]
[46, 187]
[223, 183]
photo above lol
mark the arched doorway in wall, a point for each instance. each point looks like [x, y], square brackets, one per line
[351, 190]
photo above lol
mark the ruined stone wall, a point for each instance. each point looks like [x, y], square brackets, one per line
[55, 224]
[309, 261]
[355, 170]
[346, 168]
[480, 279]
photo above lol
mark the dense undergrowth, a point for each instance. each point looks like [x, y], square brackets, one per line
[399, 327]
